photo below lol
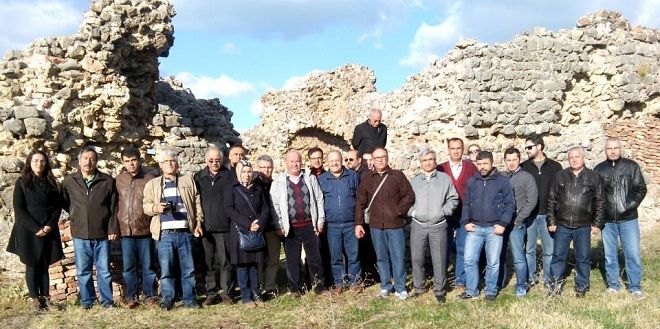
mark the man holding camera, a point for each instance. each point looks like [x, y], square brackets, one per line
[174, 202]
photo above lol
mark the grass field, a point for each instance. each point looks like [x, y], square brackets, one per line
[597, 310]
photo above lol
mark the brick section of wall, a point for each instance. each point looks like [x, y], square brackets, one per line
[641, 140]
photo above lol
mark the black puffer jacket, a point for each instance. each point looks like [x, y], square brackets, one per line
[623, 188]
[576, 201]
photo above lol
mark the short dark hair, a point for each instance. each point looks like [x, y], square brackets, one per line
[89, 148]
[536, 139]
[512, 150]
[237, 146]
[485, 155]
[314, 150]
[455, 139]
[130, 152]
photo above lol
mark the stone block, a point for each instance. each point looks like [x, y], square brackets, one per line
[35, 126]
[22, 112]
[15, 126]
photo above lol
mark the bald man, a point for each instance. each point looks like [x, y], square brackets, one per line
[370, 134]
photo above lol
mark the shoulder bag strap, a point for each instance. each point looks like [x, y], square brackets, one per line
[377, 189]
[247, 200]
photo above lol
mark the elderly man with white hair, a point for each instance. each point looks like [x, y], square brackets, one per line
[370, 134]
[175, 205]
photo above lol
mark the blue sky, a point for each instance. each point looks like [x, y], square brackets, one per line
[237, 50]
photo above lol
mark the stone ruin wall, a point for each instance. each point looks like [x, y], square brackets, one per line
[572, 86]
[99, 86]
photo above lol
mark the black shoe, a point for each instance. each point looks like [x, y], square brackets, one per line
[441, 299]
[491, 298]
[166, 306]
[193, 305]
[580, 293]
[86, 306]
[210, 300]
[465, 296]
[108, 305]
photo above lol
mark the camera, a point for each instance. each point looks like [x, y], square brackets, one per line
[169, 207]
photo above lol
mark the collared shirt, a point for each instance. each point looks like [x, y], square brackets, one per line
[295, 179]
[90, 180]
[456, 168]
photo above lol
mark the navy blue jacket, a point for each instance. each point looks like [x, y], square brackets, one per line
[488, 200]
[339, 197]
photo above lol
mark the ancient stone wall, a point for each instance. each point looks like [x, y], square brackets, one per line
[99, 86]
[572, 86]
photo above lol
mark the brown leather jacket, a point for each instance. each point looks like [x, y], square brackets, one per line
[390, 205]
[131, 218]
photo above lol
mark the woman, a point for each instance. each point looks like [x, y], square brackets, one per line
[247, 209]
[473, 150]
[35, 237]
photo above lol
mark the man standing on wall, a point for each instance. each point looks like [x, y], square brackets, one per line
[370, 134]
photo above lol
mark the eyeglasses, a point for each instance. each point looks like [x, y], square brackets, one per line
[473, 151]
[349, 159]
[214, 161]
[528, 148]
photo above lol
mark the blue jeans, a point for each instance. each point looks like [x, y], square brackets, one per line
[457, 243]
[539, 228]
[342, 240]
[581, 238]
[246, 275]
[628, 233]
[170, 245]
[134, 249]
[474, 242]
[89, 252]
[517, 247]
[390, 249]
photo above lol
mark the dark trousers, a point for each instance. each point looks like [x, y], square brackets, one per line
[367, 257]
[246, 275]
[37, 279]
[581, 238]
[218, 274]
[298, 238]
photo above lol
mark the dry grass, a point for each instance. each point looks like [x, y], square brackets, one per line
[597, 310]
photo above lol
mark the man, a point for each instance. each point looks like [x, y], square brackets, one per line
[543, 170]
[459, 171]
[370, 134]
[575, 210]
[272, 233]
[174, 202]
[298, 203]
[353, 161]
[367, 161]
[526, 196]
[136, 242]
[315, 157]
[236, 153]
[90, 198]
[435, 199]
[624, 189]
[387, 209]
[339, 186]
[488, 208]
[211, 183]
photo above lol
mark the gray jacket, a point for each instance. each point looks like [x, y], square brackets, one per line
[526, 193]
[435, 198]
[279, 197]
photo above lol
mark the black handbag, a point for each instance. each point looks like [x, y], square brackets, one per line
[249, 241]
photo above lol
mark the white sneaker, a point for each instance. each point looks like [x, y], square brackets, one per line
[401, 295]
[384, 293]
[612, 291]
[638, 294]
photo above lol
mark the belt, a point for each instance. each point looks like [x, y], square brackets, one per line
[175, 230]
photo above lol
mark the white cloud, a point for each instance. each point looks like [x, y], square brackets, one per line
[649, 13]
[297, 82]
[431, 41]
[256, 107]
[230, 48]
[209, 87]
[22, 21]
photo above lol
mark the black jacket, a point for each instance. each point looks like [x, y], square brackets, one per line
[576, 201]
[92, 210]
[623, 188]
[211, 192]
[366, 138]
[36, 206]
[543, 179]
[241, 215]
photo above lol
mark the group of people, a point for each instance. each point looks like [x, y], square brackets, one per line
[335, 224]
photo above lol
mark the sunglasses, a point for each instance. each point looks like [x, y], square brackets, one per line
[528, 148]
[474, 151]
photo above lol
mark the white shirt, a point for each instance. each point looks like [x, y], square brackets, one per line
[456, 168]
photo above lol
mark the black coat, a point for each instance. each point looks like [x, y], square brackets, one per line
[544, 178]
[35, 207]
[211, 191]
[241, 215]
[576, 202]
[366, 138]
[92, 210]
[623, 188]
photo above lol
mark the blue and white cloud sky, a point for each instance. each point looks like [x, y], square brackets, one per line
[237, 50]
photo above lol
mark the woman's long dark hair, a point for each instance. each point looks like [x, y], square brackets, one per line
[27, 175]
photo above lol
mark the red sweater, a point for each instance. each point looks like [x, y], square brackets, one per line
[467, 171]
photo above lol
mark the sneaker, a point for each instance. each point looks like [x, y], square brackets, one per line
[401, 295]
[384, 293]
[441, 299]
[490, 298]
[464, 296]
[166, 306]
[638, 294]
[521, 292]
[612, 291]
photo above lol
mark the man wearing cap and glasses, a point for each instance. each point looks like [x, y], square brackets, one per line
[543, 170]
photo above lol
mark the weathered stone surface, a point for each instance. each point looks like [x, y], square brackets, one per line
[22, 112]
[34, 126]
[14, 126]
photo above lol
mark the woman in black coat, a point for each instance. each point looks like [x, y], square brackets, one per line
[246, 217]
[35, 237]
